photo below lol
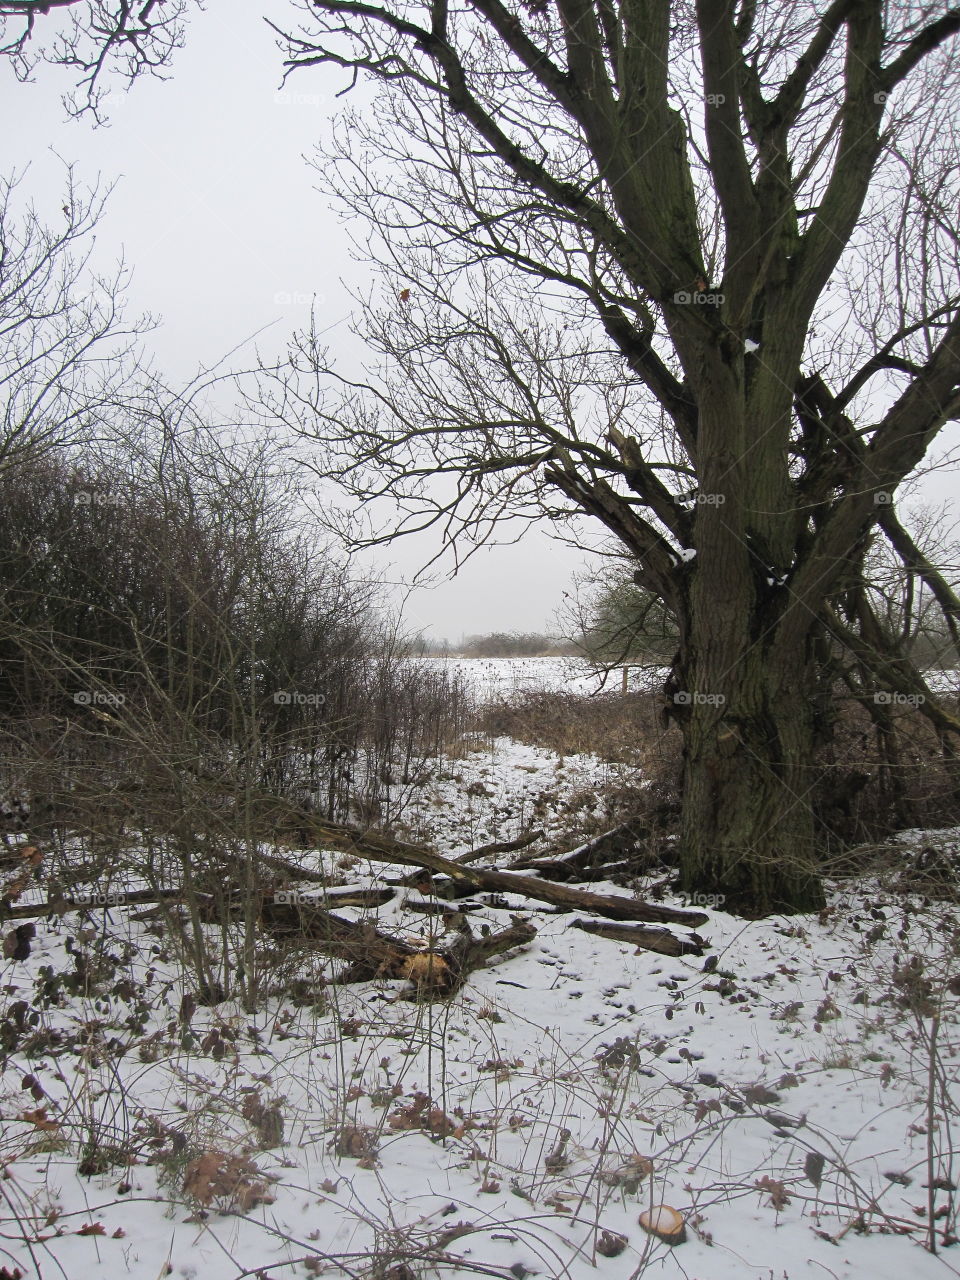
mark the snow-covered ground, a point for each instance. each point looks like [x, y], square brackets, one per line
[493, 678]
[791, 1094]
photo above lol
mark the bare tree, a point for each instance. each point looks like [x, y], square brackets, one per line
[68, 356]
[92, 38]
[690, 271]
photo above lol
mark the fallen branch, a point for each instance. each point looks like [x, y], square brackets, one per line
[662, 941]
[60, 906]
[385, 849]
[499, 846]
[372, 954]
[612, 843]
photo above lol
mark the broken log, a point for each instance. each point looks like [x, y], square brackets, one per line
[372, 954]
[471, 953]
[484, 851]
[499, 846]
[662, 941]
[104, 900]
[384, 848]
[563, 865]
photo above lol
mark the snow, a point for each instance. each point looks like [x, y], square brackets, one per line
[492, 678]
[725, 1073]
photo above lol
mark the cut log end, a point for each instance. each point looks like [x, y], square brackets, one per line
[664, 1223]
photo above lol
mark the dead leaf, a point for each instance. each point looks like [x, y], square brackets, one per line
[232, 1180]
[779, 1197]
[813, 1167]
[356, 1143]
[40, 1119]
[16, 945]
[611, 1244]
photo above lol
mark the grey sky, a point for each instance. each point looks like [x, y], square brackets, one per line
[216, 211]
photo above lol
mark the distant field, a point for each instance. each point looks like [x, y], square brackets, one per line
[493, 678]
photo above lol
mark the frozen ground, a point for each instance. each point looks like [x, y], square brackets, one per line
[780, 1093]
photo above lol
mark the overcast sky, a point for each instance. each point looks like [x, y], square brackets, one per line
[215, 210]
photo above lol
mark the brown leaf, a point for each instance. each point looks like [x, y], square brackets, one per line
[813, 1167]
[356, 1143]
[611, 1244]
[36, 1088]
[779, 1197]
[235, 1180]
[92, 1229]
[40, 1119]
[16, 945]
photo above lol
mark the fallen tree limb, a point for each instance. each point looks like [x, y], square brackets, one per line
[385, 849]
[660, 940]
[372, 954]
[611, 843]
[96, 899]
[471, 952]
[499, 846]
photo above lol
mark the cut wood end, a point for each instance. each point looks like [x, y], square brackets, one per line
[426, 967]
[664, 1223]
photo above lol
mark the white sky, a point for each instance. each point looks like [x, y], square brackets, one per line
[215, 210]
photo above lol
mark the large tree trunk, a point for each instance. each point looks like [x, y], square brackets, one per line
[747, 823]
[744, 701]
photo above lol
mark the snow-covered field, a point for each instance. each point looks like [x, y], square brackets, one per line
[791, 1094]
[492, 678]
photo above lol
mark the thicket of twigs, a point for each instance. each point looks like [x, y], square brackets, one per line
[866, 784]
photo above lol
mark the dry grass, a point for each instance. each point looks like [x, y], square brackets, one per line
[617, 728]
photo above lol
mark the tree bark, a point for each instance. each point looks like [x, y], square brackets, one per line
[643, 938]
[747, 823]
